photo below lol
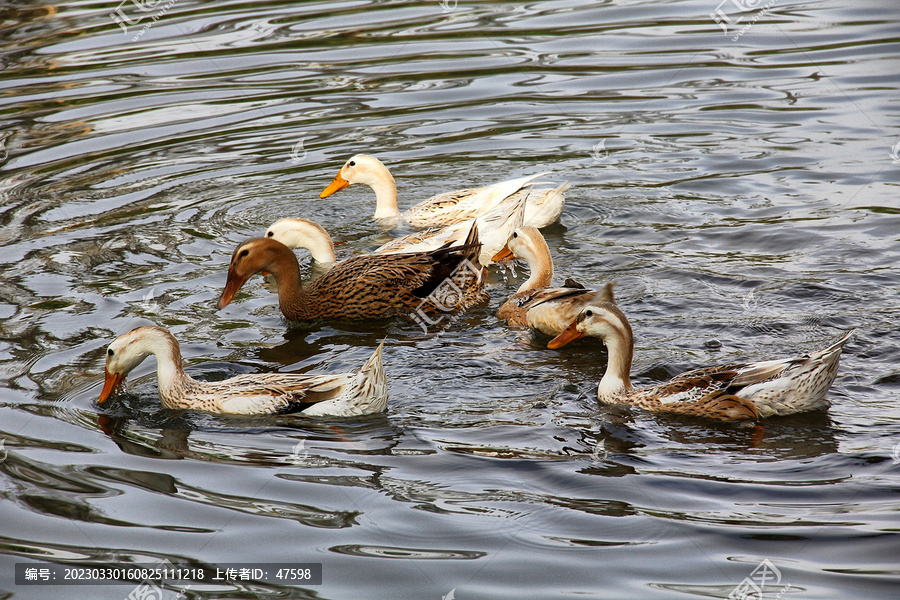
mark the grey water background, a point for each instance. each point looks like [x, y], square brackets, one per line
[737, 182]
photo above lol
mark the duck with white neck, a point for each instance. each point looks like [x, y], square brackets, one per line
[732, 392]
[542, 208]
[344, 394]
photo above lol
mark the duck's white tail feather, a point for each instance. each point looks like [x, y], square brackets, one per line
[489, 197]
[365, 393]
[799, 384]
[496, 226]
[452, 207]
[545, 206]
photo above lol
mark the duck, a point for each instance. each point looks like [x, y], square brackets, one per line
[375, 286]
[542, 208]
[363, 392]
[494, 228]
[733, 392]
[536, 304]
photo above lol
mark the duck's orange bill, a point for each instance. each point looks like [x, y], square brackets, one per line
[110, 385]
[569, 335]
[337, 185]
[232, 286]
[504, 254]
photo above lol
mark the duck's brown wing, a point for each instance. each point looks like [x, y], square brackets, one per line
[516, 308]
[552, 310]
[572, 291]
[711, 392]
[542, 295]
[376, 286]
[605, 293]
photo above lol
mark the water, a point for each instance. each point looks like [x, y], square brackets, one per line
[742, 194]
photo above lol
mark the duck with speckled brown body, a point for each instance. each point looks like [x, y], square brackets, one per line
[542, 208]
[536, 304]
[343, 394]
[366, 287]
[728, 392]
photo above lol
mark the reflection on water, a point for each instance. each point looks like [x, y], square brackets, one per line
[740, 191]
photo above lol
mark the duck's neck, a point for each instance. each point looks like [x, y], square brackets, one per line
[170, 374]
[385, 194]
[617, 379]
[291, 295]
[540, 265]
[320, 245]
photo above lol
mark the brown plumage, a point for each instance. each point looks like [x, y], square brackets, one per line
[536, 304]
[446, 280]
[727, 392]
[338, 394]
[551, 309]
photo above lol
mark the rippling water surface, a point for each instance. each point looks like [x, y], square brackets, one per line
[738, 185]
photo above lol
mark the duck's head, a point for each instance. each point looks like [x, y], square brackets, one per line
[248, 259]
[601, 320]
[526, 243]
[128, 351]
[362, 168]
[301, 233]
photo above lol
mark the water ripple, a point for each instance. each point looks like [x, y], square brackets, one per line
[741, 192]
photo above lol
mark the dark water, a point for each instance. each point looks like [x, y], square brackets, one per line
[742, 193]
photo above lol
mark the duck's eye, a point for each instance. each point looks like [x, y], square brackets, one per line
[271, 234]
[589, 313]
[110, 352]
[515, 235]
[244, 253]
[352, 163]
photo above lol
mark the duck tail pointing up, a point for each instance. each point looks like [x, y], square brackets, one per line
[472, 237]
[838, 345]
[468, 250]
[472, 246]
[369, 385]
